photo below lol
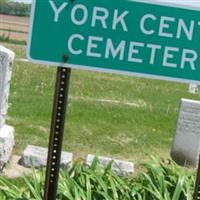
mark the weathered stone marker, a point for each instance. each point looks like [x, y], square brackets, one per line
[37, 156]
[6, 132]
[6, 60]
[120, 167]
[186, 144]
[193, 88]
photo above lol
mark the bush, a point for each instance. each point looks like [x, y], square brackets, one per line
[160, 181]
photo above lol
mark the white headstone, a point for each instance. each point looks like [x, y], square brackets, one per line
[6, 144]
[6, 60]
[120, 167]
[6, 132]
[193, 88]
[186, 145]
[37, 156]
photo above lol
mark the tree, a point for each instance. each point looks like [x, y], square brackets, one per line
[14, 8]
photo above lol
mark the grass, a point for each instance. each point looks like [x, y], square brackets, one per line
[142, 121]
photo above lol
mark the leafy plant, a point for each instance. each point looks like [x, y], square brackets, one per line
[167, 181]
[160, 181]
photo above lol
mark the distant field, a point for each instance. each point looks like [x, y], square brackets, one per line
[14, 28]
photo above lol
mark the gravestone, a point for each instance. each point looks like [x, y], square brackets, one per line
[186, 145]
[37, 157]
[6, 132]
[120, 167]
[193, 88]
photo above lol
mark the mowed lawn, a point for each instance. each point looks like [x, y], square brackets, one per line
[112, 115]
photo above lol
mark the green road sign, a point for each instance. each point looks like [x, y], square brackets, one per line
[126, 36]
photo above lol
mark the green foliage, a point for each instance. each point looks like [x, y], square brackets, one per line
[4, 38]
[166, 181]
[160, 181]
[14, 8]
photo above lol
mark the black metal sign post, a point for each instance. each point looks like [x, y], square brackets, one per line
[56, 134]
[197, 185]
